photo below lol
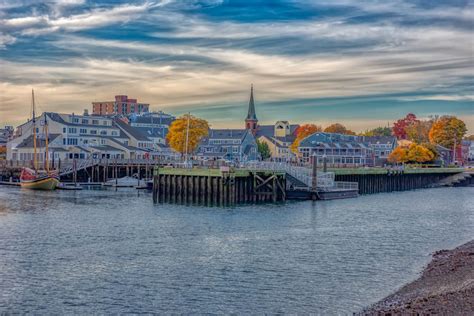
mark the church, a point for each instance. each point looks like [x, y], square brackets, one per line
[278, 137]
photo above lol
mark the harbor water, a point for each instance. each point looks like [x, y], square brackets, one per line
[113, 251]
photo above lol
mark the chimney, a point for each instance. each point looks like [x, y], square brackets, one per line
[86, 112]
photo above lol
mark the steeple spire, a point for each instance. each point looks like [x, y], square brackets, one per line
[251, 113]
[251, 120]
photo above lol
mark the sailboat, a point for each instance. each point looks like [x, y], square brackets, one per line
[39, 179]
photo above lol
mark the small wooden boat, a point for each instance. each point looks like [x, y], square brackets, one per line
[36, 179]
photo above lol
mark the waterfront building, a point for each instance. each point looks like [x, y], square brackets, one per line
[229, 144]
[279, 138]
[382, 147]
[155, 125]
[340, 150]
[122, 105]
[470, 151]
[80, 137]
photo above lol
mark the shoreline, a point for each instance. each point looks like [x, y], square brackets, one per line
[445, 286]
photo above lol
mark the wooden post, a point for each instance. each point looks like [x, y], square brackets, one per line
[156, 185]
[274, 189]
[314, 177]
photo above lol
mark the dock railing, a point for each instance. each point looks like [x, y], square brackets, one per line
[325, 180]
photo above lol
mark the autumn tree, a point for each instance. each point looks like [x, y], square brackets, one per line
[398, 155]
[418, 131]
[303, 131]
[399, 129]
[379, 131]
[339, 129]
[420, 154]
[3, 152]
[263, 149]
[446, 131]
[196, 129]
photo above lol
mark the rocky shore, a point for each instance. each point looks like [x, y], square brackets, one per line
[446, 287]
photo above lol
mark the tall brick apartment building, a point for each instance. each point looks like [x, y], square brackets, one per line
[121, 105]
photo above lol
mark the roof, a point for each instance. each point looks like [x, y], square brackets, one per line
[105, 148]
[40, 142]
[57, 118]
[227, 133]
[333, 140]
[251, 112]
[379, 139]
[269, 130]
[135, 132]
[150, 119]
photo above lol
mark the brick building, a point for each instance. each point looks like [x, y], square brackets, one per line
[122, 105]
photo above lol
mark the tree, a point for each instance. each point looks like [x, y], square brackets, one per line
[446, 131]
[339, 129]
[379, 131]
[3, 152]
[419, 131]
[418, 153]
[198, 128]
[263, 149]
[398, 155]
[400, 126]
[303, 131]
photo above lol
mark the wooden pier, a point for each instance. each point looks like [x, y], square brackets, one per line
[221, 187]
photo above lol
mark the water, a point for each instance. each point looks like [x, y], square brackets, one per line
[114, 252]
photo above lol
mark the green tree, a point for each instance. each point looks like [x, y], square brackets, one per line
[263, 149]
[379, 131]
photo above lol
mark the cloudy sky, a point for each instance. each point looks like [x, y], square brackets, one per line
[362, 63]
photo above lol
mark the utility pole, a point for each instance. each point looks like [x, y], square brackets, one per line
[187, 139]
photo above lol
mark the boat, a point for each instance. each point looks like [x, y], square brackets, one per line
[35, 178]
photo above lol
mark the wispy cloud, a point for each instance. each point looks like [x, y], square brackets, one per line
[200, 55]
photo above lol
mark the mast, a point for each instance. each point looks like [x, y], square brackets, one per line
[35, 163]
[46, 143]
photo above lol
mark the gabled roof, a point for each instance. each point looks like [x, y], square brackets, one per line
[134, 132]
[227, 133]
[269, 130]
[40, 142]
[57, 118]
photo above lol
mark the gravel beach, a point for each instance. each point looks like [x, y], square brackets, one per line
[446, 287]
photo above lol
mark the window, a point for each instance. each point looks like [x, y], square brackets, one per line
[104, 123]
[72, 130]
[93, 132]
[64, 141]
[102, 141]
[114, 133]
[103, 132]
[95, 122]
[64, 130]
[85, 121]
[72, 141]
[83, 131]
[75, 120]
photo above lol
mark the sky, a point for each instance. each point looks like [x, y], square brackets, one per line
[360, 63]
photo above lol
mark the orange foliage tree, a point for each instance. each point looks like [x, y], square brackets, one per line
[339, 129]
[419, 154]
[414, 153]
[447, 130]
[302, 132]
[198, 128]
[398, 155]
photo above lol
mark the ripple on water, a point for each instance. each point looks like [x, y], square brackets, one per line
[95, 251]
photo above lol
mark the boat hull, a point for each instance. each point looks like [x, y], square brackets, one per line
[48, 183]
